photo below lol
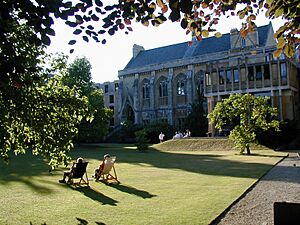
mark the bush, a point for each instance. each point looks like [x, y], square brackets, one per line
[152, 131]
[141, 140]
[127, 133]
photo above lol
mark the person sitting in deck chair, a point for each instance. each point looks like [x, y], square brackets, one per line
[101, 166]
[105, 168]
[69, 172]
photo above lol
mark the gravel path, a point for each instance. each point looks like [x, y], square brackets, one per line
[281, 183]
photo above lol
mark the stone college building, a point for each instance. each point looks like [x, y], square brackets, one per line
[162, 83]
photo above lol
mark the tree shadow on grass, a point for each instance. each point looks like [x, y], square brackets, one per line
[214, 164]
[24, 168]
[85, 222]
[132, 190]
[262, 155]
[96, 196]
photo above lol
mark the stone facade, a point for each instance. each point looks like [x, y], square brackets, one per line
[162, 83]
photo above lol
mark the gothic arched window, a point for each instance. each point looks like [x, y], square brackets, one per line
[146, 90]
[180, 87]
[163, 89]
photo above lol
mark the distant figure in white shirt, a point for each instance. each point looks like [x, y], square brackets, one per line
[187, 134]
[180, 135]
[176, 135]
[161, 137]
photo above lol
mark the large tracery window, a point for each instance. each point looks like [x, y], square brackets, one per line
[163, 89]
[180, 87]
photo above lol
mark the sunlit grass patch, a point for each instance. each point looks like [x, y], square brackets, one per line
[157, 187]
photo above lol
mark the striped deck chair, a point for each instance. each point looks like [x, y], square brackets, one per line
[109, 171]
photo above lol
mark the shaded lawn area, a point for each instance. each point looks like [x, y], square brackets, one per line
[157, 187]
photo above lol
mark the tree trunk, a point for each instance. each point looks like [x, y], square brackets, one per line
[248, 150]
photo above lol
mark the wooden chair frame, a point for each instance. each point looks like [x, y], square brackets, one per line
[106, 174]
[79, 173]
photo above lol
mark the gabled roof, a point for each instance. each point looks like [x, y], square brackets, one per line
[182, 50]
[158, 55]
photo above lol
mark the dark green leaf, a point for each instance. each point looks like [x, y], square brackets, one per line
[50, 31]
[184, 23]
[111, 31]
[186, 6]
[64, 15]
[77, 31]
[68, 4]
[79, 19]
[101, 31]
[106, 25]
[94, 17]
[71, 24]
[99, 3]
[72, 42]
[98, 10]
[88, 32]
[175, 15]
[79, 6]
[86, 18]
[85, 38]
[90, 27]
[71, 11]
[47, 22]
[108, 8]
[46, 40]
[96, 39]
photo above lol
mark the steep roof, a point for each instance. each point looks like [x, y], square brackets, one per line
[158, 55]
[182, 50]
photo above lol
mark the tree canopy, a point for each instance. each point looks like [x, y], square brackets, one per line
[79, 76]
[196, 121]
[38, 114]
[41, 119]
[246, 114]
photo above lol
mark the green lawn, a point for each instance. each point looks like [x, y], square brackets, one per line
[157, 187]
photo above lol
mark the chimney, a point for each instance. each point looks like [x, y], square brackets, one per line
[136, 49]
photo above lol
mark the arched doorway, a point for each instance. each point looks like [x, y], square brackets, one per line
[129, 113]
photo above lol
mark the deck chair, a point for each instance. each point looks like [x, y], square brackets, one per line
[79, 172]
[109, 171]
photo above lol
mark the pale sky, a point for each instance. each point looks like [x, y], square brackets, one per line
[107, 59]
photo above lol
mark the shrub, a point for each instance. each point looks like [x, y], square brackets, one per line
[152, 131]
[127, 133]
[141, 140]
